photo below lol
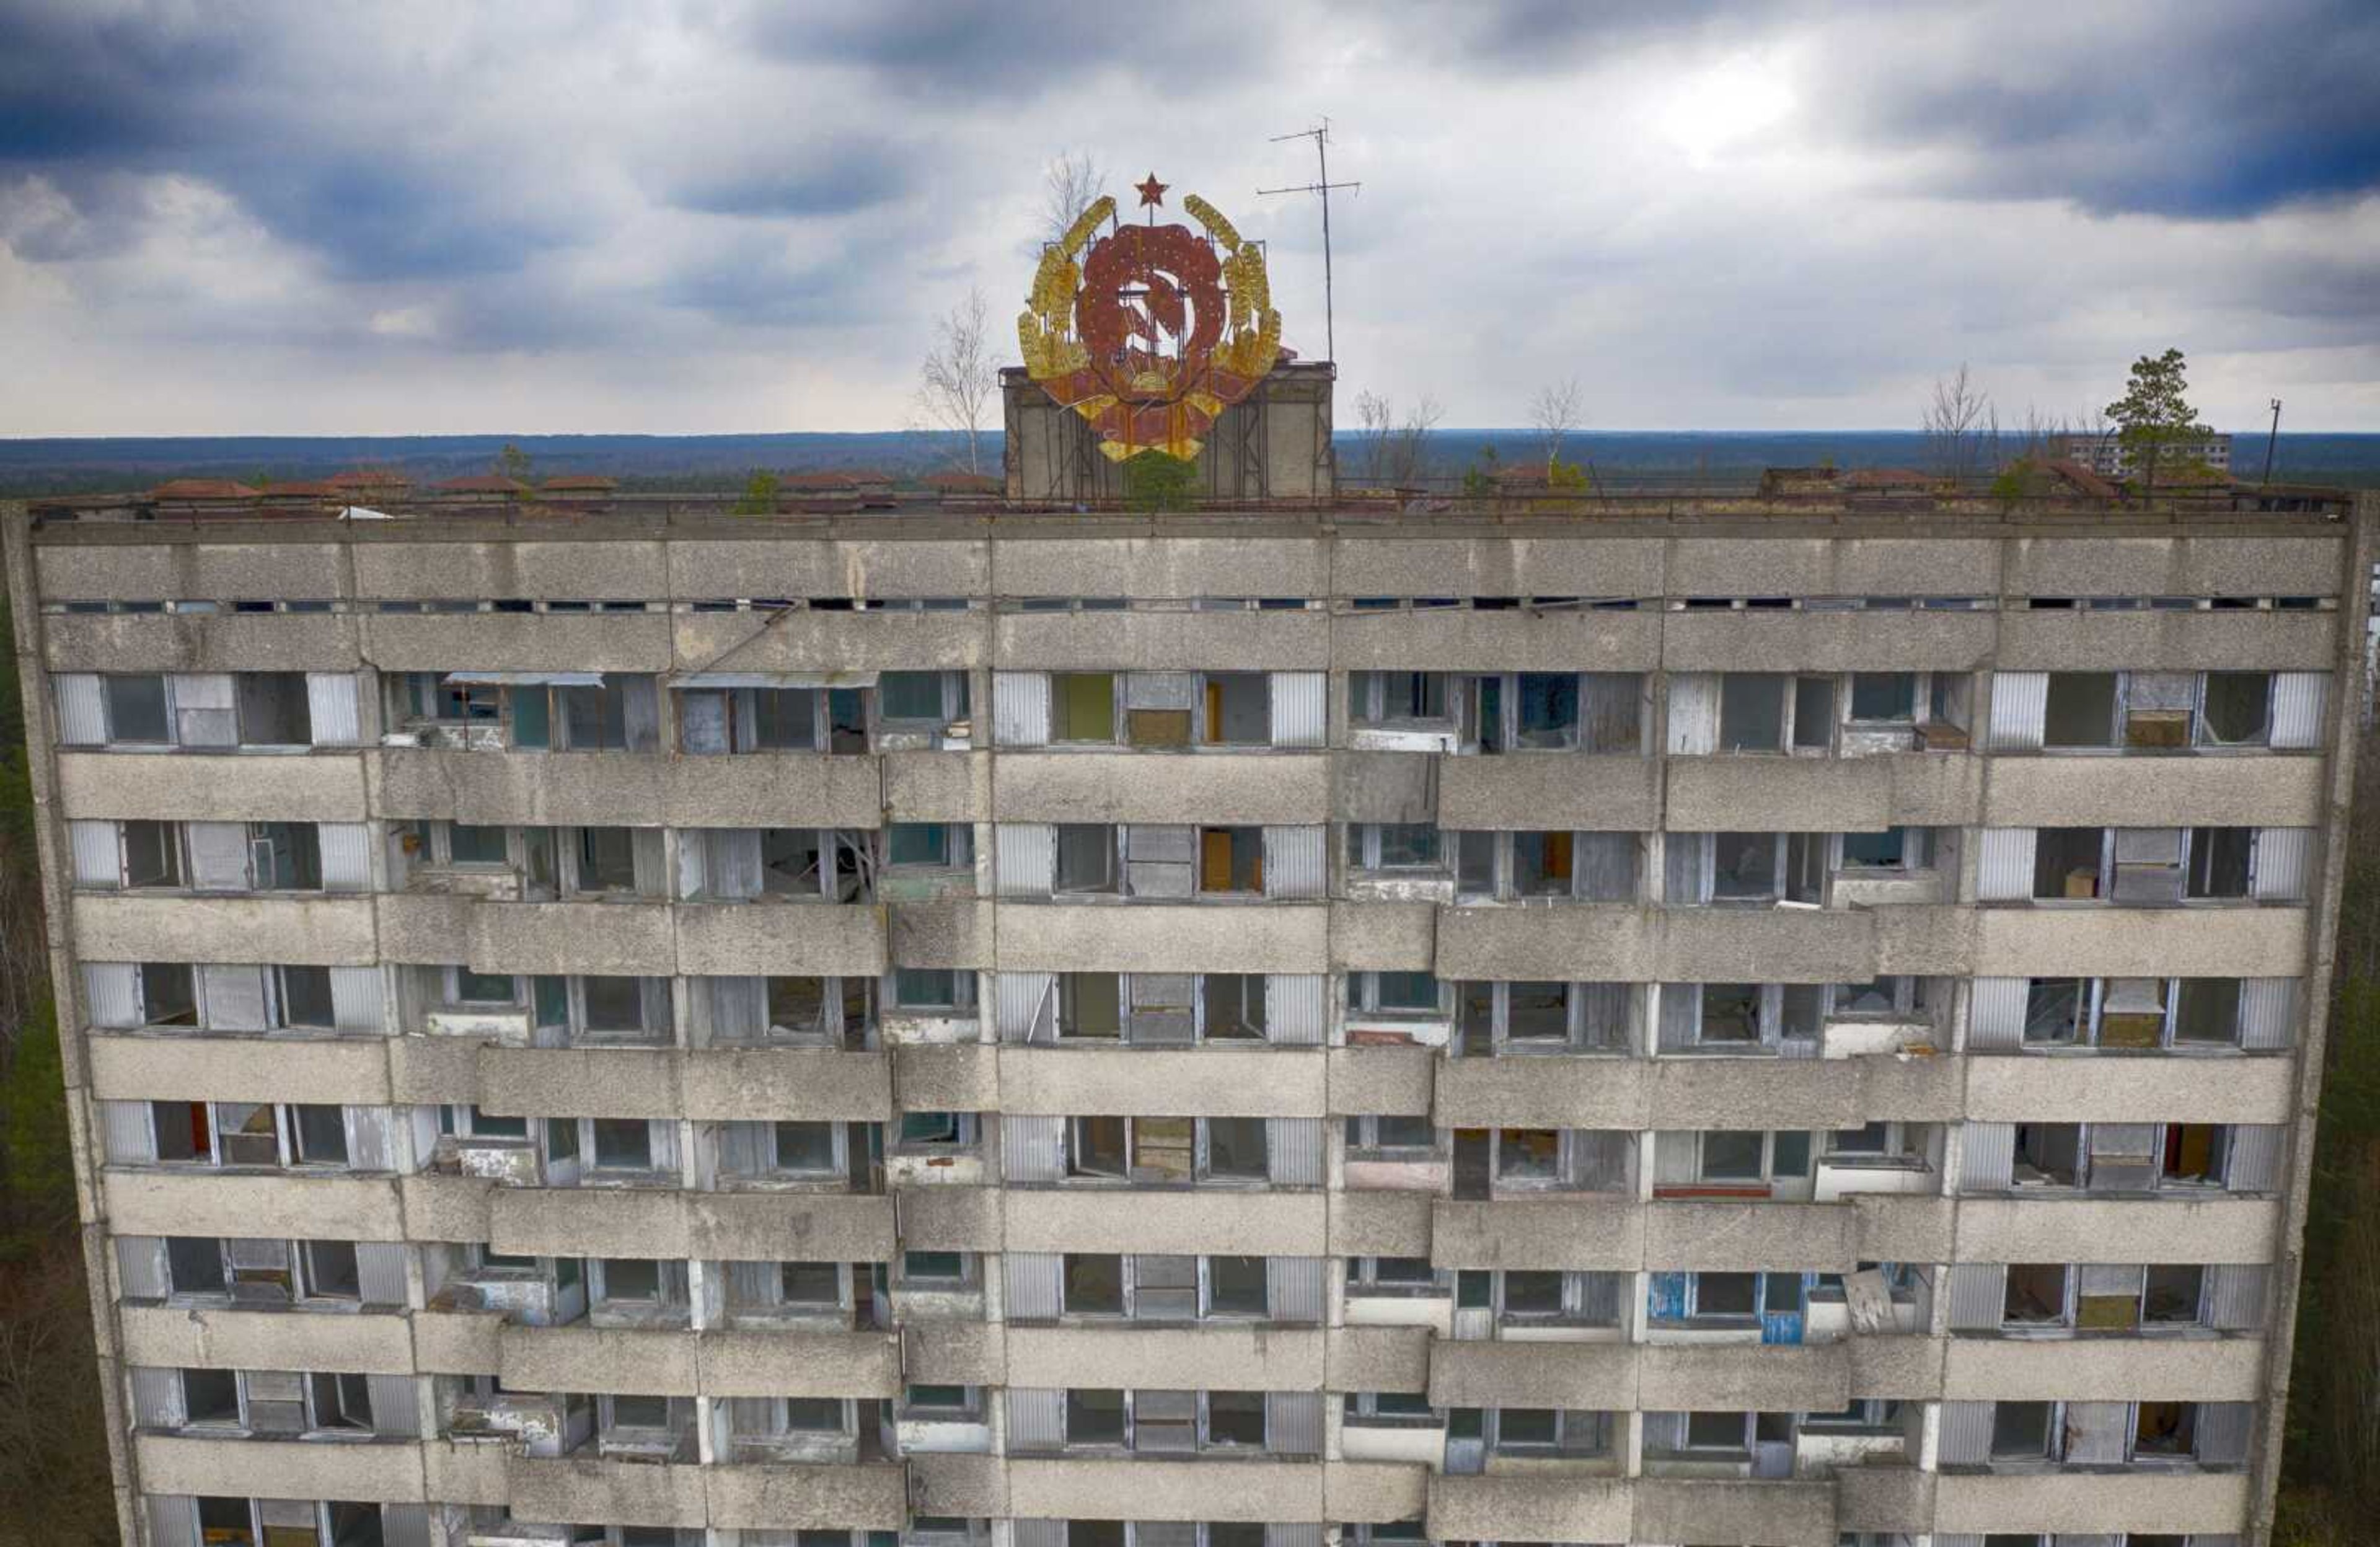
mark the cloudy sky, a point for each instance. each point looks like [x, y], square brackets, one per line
[222, 217]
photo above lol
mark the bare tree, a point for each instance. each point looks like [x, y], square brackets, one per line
[1955, 423]
[1396, 451]
[1070, 184]
[1555, 412]
[956, 383]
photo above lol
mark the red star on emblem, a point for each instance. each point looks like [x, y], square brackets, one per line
[1152, 191]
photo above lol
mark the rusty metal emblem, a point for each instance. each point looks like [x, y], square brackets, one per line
[1155, 330]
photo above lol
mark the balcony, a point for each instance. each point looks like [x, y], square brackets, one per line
[1252, 785]
[1544, 1507]
[2173, 1367]
[792, 939]
[2073, 1228]
[1251, 1222]
[1120, 1488]
[2068, 1088]
[1823, 795]
[1601, 1375]
[2086, 942]
[1164, 937]
[2172, 1501]
[212, 1202]
[1211, 1081]
[209, 1337]
[326, 785]
[1555, 790]
[366, 1470]
[1232, 1356]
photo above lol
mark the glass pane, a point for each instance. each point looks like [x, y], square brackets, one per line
[1883, 696]
[1094, 1283]
[909, 696]
[1732, 1156]
[1751, 711]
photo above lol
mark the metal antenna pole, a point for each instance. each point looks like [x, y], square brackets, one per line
[1320, 135]
[2271, 439]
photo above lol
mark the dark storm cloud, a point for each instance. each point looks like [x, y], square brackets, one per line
[829, 176]
[1021, 48]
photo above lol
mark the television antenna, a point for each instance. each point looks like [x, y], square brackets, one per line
[1322, 185]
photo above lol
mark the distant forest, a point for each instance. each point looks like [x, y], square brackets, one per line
[724, 462]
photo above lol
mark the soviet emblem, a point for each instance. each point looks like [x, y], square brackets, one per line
[1155, 330]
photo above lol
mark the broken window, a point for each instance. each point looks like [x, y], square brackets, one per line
[2034, 1295]
[2236, 709]
[287, 856]
[2022, 1431]
[2206, 1012]
[2048, 1154]
[1087, 858]
[1091, 1005]
[1239, 709]
[607, 859]
[1082, 707]
[470, 845]
[1398, 698]
[1546, 711]
[1234, 1005]
[1393, 992]
[2056, 1010]
[1096, 1147]
[2068, 862]
[1895, 849]
[2193, 1154]
[1236, 1148]
[1813, 713]
[318, 1134]
[1231, 859]
[929, 845]
[2166, 1428]
[933, 988]
[911, 696]
[2081, 710]
[2219, 860]
[1392, 846]
[152, 853]
[1745, 867]
[330, 1271]
[623, 1143]
[273, 709]
[1093, 1284]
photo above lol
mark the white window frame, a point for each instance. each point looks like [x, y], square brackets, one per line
[1504, 885]
[1769, 1175]
[1202, 1172]
[1368, 695]
[1365, 847]
[1364, 996]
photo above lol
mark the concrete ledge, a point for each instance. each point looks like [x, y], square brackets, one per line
[658, 1361]
[1908, 1367]
[947, 1077]
[1203, 1489]
[1377, 1358]
[579, 1081]
[1275, 641]
[2085, 1229]
[1133, 1219]
[2085, 941]
[1374, 1491]
[445, 1208]
[1774, 1514]
[1548, 1233]
[466, 1471]
[593, 1221]
[842, 939]
[605, 937]
[967, 1486]
[518, 643]
[1584, 942]
[1735, 1237]
[811, 641]
[1394, 1082]
[936, 786]
[1599, 1375]
[618, 570]
[1223, 1357]
[207, 1338]
[2246, 789]
[200, 642]
[2114, 1089]
[2113, 1368]
[1588, 792]
[1382, 937]
[770, 1226]
[386, 1471]
[325, 785]
[1884, 1499]
[2145, 1499]
[243, 571]
[1381, 1224]
[860, 1364]
[458, 1341]
[745, 565]
[954, 1353]
[1544, 1506]
[952, 1218]
[1805, 1378]
[765, 1084]
[1252, 785]
[622, 1493]
[2085, 641]
[1164, 937]
[2265, 564]
[240, 1203]
[331, 931]
[1520, 639]
[954, 933]
[192, 1068]
[1862, 641]
[1211, 1081]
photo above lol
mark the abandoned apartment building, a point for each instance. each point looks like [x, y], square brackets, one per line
[979, 1019]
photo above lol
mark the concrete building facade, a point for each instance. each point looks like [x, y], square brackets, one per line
[992, 1026]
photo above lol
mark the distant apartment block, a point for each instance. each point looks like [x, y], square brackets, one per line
[978, 1019]
[2110, 456]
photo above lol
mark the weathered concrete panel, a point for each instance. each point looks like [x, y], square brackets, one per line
[588, 1221]
[1381, 563]
[2242, 790]
[1204, 1490]
[1774, 1514]
[221, 1068]
[1808, 1378]
[458, 1341]
[517, 642]
[1175, 567]
[1908, 1367]
[1131, 1219]
[763, 1084]
[446, 1208]
[208, 1338]
[630, 1492]
[1571, 1093]
[617, 789]
[1547, 1506]
[315, 931]
[1156, 937]
[1196, 1082]
[1599, 1375]
[793, 1226]
[2151, 1499]
[955, 933]
[845, 939]
[2096, 642]
[1378, 1358]
[657, 1361]
[951, 1077]
[1253, 786]
[750, 566]
[214, 787]
[233, 1203]
[1550, 791]
[431, 1071]
[192, 571]
[2074, 1229]
[936, 786]
[385, 1472]
[602, 937]
[1769, 640]
[1383, 937]
[615, 569]
[1731, 1236]
[579, 1082]
[1162, 641]
[1751, 794]
[200, 642]
[1522, 639]
[2105, 941]
[2024, 1088]
[1741, 566]
[951, 1353]
[812, 641]
[969, 1487]
[1389, 1081]
[2265, 565]
[1380, 1225]
[1586, 941]
[1374, 1491]
[2104, 1368]
[1538, 1233]
[1225, 1357]
[952, 1218]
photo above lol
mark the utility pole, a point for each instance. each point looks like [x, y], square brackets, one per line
[1320, 135]
[2272, 440]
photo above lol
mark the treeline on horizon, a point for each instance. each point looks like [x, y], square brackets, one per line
[723, 463]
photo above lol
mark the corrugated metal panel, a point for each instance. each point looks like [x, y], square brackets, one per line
[404, 1525]
[1036, 1284]
[1301, 714]
[2020, 710]
[731, 863]
[1957, 1538]
[83, 714]
[1023, 859]
[1036, 1533]
[1988, 1157]
[1674, 1155]
[1294, 1288]
[2254, 1162]
[234, 996]
[1024, 1007]
[1294, 1534]
[2004, 864]
[369, 1146]
[396, 1410]
[2298, 701]
[173, 1520]
[111, 992]
[648, 861]
[1685, 868]
[2268, 1012]
[1292, 1423]
[331, 709]
[1966, 1434]
[2284, 858]
[140, 1265]
[1978, 1295]
[738, 1007]
[1037, 1418]
[1295, 862]
[1297, 1011]
[356, 996]
[1020, 709]
[347, 856]
[380, 1270]
[2235, 1295]
[1665, 1433]
[2223, 1429]
[219, 854]
[97, 861]
[156, 1398]
[1995, 1013]
[131, 1134]
[1293, 1151]
[2097, 1432]
[1694, 713]
[1032, 1149]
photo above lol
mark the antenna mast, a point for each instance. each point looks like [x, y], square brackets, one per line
[1320, 135]
[2271, 440]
